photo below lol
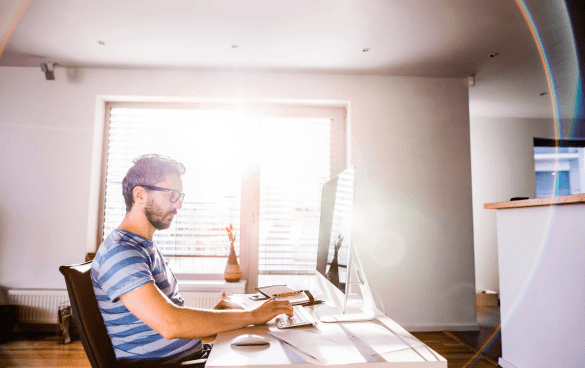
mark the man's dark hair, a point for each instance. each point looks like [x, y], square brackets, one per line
[148, 170]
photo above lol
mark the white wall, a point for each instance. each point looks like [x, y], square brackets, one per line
[410, 144]
[502, 158]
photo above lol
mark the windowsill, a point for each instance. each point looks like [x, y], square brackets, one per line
[213, 285]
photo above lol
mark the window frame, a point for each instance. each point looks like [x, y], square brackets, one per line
[250, 209]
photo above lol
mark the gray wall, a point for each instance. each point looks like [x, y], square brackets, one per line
[410, 144]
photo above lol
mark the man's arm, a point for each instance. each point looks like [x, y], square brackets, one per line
[224, 304]
[151, 306]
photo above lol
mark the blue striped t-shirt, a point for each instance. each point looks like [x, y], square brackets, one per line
[124, 262]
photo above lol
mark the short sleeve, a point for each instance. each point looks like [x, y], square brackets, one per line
[121, 269]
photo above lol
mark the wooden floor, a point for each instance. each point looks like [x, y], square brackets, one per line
[488, 339]
[458, 353]
[42, 350]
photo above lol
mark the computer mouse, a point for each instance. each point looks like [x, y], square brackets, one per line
[250, 340]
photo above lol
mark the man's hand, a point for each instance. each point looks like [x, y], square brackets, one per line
[270, 309]
[224, 304]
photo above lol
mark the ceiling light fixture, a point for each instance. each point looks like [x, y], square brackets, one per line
[495, 54]
[366, 49]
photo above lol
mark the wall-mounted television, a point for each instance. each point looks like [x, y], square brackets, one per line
[559, 165]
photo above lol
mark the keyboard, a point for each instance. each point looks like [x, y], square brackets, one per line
[300, 318]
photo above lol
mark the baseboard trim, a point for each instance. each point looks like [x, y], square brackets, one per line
[505, 364]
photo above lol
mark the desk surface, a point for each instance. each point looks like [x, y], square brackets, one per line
[536, 202]
[279, 354]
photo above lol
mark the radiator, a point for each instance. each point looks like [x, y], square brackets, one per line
[37, 306]
[201, 299]
[41, 306]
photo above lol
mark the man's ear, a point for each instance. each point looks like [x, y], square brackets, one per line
[139, 195]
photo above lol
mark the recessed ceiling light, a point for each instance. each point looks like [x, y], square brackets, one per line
[495, 54]
[366, 49]
[101, 42]
[543, 93]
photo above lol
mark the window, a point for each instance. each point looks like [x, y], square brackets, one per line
[259, 168]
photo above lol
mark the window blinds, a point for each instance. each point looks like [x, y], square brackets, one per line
[295, 159]
[206, 143]
[296, 164]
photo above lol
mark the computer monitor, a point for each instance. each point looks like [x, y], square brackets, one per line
[337, 261]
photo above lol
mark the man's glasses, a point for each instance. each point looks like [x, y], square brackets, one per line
[174, 197]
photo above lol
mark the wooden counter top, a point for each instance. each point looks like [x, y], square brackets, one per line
[534, 202]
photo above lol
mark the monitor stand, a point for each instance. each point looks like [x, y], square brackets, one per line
[362, 310]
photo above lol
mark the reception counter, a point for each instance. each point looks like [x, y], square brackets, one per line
[541, 251]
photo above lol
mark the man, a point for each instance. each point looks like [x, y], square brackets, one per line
[136, 291]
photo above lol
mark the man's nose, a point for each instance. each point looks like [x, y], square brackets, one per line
[178, 204]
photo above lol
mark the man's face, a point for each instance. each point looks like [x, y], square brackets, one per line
[158, 209]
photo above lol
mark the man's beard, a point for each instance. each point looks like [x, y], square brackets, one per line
[157, 218]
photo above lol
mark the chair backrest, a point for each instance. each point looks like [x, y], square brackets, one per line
[90, 324]
[88, 319]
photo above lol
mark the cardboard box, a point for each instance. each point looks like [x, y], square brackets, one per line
[487, 298]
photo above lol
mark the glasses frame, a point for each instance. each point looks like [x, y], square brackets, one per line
[179, 197]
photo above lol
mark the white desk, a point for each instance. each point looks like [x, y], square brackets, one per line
[279, 354]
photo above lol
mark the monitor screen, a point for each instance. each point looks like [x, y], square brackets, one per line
[335, 229]
[337, 258]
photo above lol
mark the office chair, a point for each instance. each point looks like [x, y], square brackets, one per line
[90, 324]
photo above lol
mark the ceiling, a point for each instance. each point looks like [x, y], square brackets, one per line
[426, 38]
